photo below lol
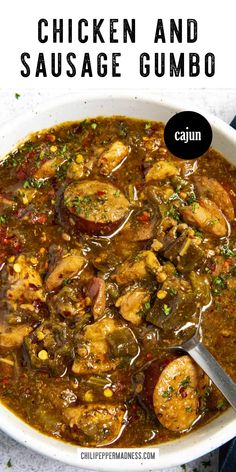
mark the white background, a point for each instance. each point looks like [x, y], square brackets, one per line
[216, 33]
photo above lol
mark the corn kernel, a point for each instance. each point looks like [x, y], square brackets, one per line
[88, 396]
[53, 148]
[79, 158]
[66, 237]
[183, 195]
[40, 336]
[43, 355]
[161, 294]
[25, 200]
[42, 250]
[88, 301]
[108, 393]
[53, 202]
[34, 260]
[139, 388]
[43, 237]
[17, 268]
[11, 259]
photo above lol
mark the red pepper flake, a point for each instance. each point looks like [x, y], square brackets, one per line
[5, 381]
[144, 217]
[149, 356]
[100, 193]
[183, 392]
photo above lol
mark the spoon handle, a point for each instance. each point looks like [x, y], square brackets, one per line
[208, 363]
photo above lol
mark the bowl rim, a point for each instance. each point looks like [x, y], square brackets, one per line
[55, 449]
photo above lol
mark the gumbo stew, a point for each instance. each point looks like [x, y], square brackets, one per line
[110, 249]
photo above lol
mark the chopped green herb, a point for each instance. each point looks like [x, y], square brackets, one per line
[189, 409]
[198, 233]
[63, 149]
[33, 183]
[233, 270]
[117, 193]
[66, 282]
[227, 252]
[122, 129]
[212, 222]
[194, 206]
[172, 291]
[221, 405]
[173, 213]
[9, 464]
[94, 125]
[17, 96]
[147, 126]
[147, 306]
[219, 284]
[3, 219]
[168, 393]
[166, 309]
[174, 196]
[191, 198]
[186, 382]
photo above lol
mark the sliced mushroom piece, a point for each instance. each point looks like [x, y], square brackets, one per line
[113, 157]
[161, 170]
[212, 189]
[132, 305]
[97, 424]
[66, 268]
[176, 397]
[96, 291]
[206, 215]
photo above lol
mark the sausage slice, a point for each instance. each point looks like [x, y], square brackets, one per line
[95, 207]
[177, 394]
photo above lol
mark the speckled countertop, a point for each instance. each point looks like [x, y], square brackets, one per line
[220, 102]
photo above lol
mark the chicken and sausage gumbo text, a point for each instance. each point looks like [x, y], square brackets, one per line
[110, 248]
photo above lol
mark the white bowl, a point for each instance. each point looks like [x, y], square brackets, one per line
[77, 107]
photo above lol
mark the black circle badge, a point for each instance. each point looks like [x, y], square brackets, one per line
[188, 135]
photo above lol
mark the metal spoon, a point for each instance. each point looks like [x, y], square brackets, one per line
[208, 363]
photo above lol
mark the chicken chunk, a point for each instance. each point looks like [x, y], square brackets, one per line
[69, 303]
[6, 202]
[66, 268]
[206, 215]
[96, 291]
[111, 159]
[98, 424]
[93, 357]
[24, 284]
[132, 305]
[161, 170]
[212, 189]
[176, 396]
[13, 336]
[75, 171]
[137, 269]
[49, 168]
